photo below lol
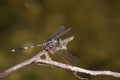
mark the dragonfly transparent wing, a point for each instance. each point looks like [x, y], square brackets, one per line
[62, 33]
[59, 33]
[59, 30]
[67, 56]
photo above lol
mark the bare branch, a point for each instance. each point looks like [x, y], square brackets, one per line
[21, 65]
[37, 60]
[77, 69]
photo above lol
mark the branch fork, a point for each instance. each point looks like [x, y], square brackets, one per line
[48, 62]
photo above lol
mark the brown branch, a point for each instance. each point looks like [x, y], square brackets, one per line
[37, 60]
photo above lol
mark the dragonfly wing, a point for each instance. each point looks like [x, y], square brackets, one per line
[62, 33]
[67, 56]
[59, 30]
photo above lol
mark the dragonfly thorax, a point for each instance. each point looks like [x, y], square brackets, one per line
[55, 45]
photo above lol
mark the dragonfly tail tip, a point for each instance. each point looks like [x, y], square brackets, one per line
[13, 50]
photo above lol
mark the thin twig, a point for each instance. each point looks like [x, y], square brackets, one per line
[78, 69]
[21, 65]
[37, 60]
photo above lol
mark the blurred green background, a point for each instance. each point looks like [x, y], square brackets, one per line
[95, 25]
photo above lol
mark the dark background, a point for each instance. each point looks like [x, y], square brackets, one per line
[95, 25]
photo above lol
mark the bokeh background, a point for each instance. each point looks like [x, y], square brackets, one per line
[95, 25]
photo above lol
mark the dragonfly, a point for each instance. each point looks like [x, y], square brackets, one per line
[55, 45]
